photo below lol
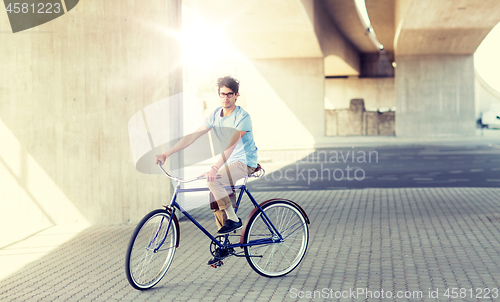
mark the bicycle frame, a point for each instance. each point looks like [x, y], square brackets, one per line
[276, 236]
[242, 188]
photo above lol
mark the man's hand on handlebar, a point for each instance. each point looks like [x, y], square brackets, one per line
[160, 158]
[210, 175]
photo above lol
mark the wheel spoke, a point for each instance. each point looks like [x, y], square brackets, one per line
[290, 249]
[289, 262]
[298, 228]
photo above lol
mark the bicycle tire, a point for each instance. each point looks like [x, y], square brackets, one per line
[278, 259]
[144, 265]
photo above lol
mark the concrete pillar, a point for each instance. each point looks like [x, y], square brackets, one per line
[435, 95]
[67, 91]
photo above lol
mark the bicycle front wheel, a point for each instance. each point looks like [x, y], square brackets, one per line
[151, 250]
[280, 258]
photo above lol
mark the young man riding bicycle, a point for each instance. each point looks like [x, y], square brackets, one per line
[238, 160]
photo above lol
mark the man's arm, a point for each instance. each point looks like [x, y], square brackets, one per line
[185, 142]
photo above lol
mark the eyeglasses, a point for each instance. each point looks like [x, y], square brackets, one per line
[229, 94]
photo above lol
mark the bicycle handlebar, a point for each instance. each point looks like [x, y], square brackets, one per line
[180, 179]
[258, 174]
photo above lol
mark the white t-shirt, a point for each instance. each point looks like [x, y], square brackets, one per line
[224, 127]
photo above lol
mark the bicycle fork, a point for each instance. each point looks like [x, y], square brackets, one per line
[171, 217]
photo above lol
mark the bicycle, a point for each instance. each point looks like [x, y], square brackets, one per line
[274, 240]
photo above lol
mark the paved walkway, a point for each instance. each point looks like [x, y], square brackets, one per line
[414, 242]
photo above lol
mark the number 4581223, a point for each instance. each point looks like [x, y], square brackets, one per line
[40, 8]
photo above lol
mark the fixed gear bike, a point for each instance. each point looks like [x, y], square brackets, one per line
[274, 240]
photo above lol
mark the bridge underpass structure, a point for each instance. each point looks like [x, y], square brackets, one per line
[69, 87]
[306, 52]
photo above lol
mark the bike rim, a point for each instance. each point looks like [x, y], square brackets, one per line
[279, 258]
[151, 255]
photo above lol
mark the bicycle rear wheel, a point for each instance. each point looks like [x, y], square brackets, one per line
[277, 259]
[150, 250]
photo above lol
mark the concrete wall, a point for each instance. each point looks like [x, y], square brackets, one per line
[67, 91]
[376, 92]
[343, 122]
[377, 65]
[435, 95]
[357, 121]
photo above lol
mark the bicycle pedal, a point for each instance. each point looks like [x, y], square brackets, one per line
[217, 264]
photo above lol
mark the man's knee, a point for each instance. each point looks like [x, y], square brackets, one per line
[213, 185]
[210, 184]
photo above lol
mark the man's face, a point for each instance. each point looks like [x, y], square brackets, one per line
[227, 97]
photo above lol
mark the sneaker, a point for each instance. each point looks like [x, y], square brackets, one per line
[230, 226]
[219, 255]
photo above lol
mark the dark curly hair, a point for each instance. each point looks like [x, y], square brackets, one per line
[229, 82]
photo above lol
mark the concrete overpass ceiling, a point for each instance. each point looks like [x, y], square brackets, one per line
[382, 17]
[345, 17]
[445, 26]
[336, 66]
[264, 29]
[329, 29]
